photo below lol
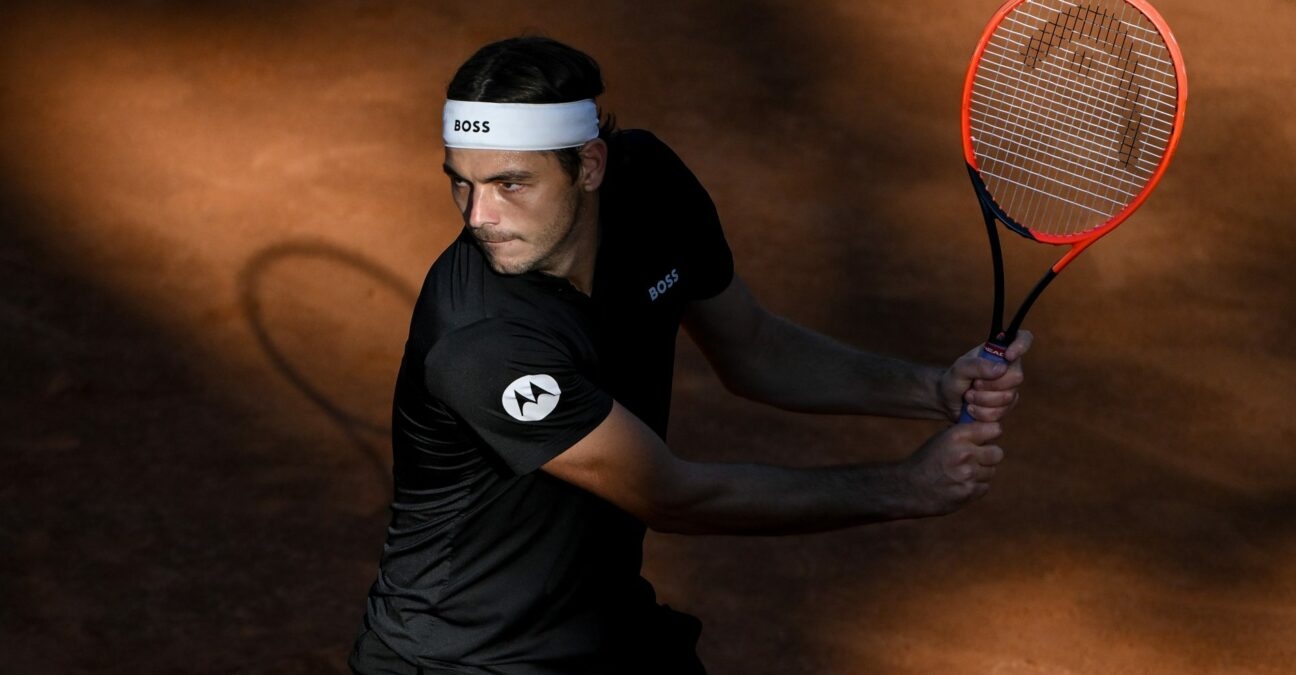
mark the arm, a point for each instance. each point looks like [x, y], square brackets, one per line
[766, 358]
[625, 463]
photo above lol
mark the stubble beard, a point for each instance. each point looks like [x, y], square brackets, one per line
[549, 245]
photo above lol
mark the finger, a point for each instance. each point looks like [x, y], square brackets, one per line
[976, 368]
[973, 471]
[991, 399]
[986, 414]
[1010, 381]
[970, 370]
[1020, 345]
[977, 432]
[993, 409]
[989, 456]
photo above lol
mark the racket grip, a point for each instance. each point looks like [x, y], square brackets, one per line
[990, 351]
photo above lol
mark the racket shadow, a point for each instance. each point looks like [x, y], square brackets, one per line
[286, 338]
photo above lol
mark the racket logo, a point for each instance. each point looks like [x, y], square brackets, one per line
[531, 398]
[1068, 26]
[1099, 51]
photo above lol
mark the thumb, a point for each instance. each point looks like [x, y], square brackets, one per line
[973, 366]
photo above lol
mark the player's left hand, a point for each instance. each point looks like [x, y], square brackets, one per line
[990, 389]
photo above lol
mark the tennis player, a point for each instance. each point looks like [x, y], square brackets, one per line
[532, 401]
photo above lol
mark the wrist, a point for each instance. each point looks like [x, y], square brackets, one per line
[901, 498]
[939, 406]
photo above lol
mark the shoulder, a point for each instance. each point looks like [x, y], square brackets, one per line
[637, 141]
[490, 353]
[460, 265]
[645, 175]
[454, 293]
[640, 150]
[468, 317]
[661, 213]
[495, 340]
[461, 290]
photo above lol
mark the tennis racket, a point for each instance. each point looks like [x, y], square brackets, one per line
[1071, 112]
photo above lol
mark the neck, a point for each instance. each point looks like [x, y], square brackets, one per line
[582, 249]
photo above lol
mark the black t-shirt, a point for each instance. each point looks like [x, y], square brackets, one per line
[491, 565]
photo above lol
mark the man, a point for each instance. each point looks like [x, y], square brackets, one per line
[532, 401]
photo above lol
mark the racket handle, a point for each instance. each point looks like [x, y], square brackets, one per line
[990, 351]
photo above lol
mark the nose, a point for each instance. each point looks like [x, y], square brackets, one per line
[481, 209]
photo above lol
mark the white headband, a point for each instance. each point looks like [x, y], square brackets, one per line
[519, 126]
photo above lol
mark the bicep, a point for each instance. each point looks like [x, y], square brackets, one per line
[625, 463]
[519, 390]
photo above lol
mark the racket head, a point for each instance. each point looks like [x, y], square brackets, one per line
[1071, 112]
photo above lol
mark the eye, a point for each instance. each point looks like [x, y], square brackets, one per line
[511, 187]
[458, 183]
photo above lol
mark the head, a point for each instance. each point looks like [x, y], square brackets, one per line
[530, 209]
[532, 69]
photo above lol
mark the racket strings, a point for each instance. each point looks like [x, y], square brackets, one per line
[1072, 110]
[1086, 94]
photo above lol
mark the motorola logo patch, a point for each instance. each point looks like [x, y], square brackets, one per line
[531, 398]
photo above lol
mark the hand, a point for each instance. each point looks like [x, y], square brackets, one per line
[953, 468]
[989, 388]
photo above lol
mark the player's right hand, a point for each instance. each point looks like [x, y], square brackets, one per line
[953, 467]
[990, 389]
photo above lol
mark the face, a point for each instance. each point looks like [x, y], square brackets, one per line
[522, 207]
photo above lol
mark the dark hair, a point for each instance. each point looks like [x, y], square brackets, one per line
[532, 69]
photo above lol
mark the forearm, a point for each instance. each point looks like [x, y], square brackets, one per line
[795, 368]
[625, 463]
[753, 499]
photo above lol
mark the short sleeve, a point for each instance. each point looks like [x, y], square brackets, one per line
[706, 252]
[519, 389]
[680, 208]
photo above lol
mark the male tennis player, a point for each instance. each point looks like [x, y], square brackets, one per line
[532, 401]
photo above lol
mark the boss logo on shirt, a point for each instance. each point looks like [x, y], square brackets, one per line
[475, 126]
[531, 398]
[658, 289]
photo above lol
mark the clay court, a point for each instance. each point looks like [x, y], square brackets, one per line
[214, 217]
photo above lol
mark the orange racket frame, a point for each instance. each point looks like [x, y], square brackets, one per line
[999, 337]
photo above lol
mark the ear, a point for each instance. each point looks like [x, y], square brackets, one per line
[593, 164]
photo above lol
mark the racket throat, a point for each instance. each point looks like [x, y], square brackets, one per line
[1005, 337]
[1000, 337]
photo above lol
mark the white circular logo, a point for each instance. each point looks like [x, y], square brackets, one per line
[531, 398]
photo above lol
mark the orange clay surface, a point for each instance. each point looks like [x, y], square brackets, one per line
[214, 217]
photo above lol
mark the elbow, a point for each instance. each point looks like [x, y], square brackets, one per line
[675, 525]
[668, 526]
[680, 509]
[744, 381]
[664, 517]
[674, 521]
[752, 386]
